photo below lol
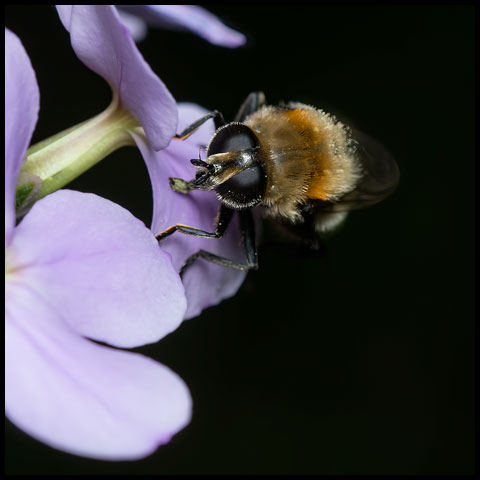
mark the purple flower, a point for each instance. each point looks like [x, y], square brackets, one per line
[104, 45]
[81, 266]
[180, 17]
[206, 283]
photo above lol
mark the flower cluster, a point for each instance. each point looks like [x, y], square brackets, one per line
[80, 268]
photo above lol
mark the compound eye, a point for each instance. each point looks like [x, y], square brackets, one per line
[232, 137]
[244, 190]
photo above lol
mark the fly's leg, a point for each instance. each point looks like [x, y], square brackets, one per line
[224, 217]
[248, 232]
[217, 119]
[252, 103]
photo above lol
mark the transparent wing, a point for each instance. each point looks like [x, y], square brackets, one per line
[381, 176]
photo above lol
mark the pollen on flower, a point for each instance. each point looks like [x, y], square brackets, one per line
[12, 263]
[10, 266]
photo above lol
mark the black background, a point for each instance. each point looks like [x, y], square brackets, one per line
[357, 362]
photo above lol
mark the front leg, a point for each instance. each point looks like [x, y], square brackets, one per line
[252, 103]
[223, 219]
[217, 119]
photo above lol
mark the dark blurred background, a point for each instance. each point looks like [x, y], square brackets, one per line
[356, 362]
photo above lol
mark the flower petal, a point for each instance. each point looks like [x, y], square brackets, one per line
[105, 45]
[137, 27]
[188, 17]
[102, 266]
[206, 283]
[22, 100]
[81, 397]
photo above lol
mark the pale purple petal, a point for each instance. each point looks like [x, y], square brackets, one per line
[102, 267]
[106, 46]
[137, 27]
[22, 100]
[188, 17]
[206, 283]
[78, 396]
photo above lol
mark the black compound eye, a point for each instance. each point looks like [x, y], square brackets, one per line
[244, 190]
[232, 137]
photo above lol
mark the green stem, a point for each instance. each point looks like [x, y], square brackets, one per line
[58, 160]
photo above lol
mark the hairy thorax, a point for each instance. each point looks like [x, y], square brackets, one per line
[307, 154]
